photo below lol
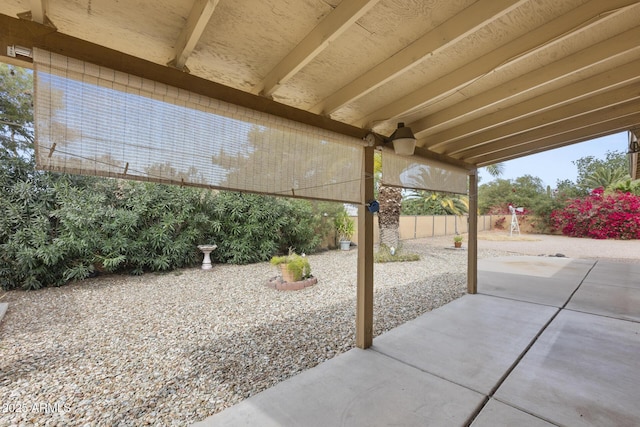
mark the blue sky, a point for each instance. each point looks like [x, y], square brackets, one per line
[553, 165]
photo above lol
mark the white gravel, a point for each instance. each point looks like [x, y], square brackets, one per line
[172, 349]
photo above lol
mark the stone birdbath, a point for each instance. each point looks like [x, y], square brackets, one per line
[206, 250]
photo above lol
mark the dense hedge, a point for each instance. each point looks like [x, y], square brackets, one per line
[601, 215]
[251, 228]
[58, 228]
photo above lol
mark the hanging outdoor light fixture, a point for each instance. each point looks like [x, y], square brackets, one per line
[404, 142]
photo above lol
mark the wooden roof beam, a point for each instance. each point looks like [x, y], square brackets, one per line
[38, 13]
[199, 17]
[555, 31]
[562, 140]
[599, 83]
[593, 103]
[30, 34]
[445, 34]
[589, 120]
[329, 29]
[39, 10]
[446, 125]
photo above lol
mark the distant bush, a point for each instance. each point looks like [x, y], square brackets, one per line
[601, 216]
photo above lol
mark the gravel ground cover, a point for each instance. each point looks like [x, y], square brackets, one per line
[172, 349]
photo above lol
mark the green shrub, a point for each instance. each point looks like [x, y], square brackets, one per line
[57, 228]
[130, 226]
[298, 266]
[251, 227]
[28, 249]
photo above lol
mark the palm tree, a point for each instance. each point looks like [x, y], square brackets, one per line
[495, 170]
[605, 177]
[390, 200]
[421, 202]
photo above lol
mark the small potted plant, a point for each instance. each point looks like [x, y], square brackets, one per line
[345, 227]
[293, 267]
[457, 241]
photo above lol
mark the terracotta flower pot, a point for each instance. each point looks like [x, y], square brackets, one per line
[287, 276]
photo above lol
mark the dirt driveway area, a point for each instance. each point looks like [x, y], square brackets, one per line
[541, 244]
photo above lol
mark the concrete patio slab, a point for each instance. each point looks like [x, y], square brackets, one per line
[607, 300]
[472, 341]
[615, 274]
[538, 266]
[540, 280]
[583, 371]
[518, 357]
[357, 388]
[499, 414]
[611, 289]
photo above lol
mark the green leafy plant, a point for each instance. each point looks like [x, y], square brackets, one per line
[626, 186]
[58, 228]
[296, 265]
[458, 238]
[345, 226]
[251, 227]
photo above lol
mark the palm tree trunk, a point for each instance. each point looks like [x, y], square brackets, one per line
[390, 199]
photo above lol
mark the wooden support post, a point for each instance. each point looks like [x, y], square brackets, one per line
[472, 260]
[364, 305]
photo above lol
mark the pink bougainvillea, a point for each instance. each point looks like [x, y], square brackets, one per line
[600, 216]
